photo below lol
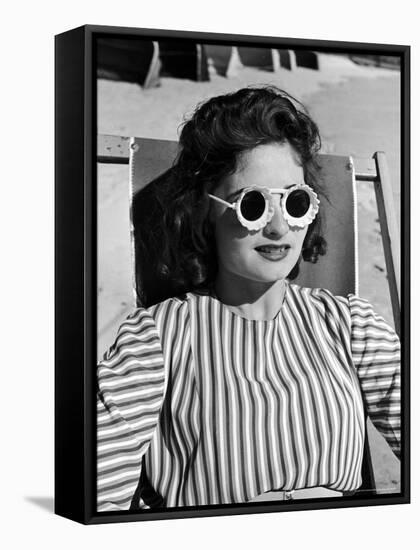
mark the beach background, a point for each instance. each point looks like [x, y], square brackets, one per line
[357, 109]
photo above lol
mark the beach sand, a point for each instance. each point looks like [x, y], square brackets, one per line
[357, 110]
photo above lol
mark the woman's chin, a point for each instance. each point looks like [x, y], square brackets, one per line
[272, 272]
[260, 271]
[268, 276]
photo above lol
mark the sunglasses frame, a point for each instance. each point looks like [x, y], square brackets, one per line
[267, 215]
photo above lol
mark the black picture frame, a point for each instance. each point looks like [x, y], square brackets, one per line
[76, 276]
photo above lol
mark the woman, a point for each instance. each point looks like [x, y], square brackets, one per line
[240, 382]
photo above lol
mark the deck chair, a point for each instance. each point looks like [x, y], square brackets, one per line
[307, 59]
[183, 60]
[259, 58]
[287, 59]
[224, 59]
[149, 162]
[129, 60]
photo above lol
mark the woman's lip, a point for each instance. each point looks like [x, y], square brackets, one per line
[269, 247]
[272, 252]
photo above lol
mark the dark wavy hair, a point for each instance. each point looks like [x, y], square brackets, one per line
[174, 237]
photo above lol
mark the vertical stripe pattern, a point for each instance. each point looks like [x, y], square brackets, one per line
[212, 408]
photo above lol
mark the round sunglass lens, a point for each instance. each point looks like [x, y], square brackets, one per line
[298, 203]
[252, 205]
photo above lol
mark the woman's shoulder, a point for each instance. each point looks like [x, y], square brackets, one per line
[319, 297]
[356, 306]
[327, 296]
[324, 303]
[147, 329]
[356, 311]
[168, 306]
[174, 309]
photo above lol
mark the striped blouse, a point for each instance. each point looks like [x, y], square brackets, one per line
[198, 405]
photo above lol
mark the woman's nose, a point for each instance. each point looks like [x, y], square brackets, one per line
[277, 226]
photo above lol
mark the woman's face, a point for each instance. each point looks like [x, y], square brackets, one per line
[268, 254]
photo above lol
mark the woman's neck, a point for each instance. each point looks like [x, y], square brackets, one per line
[254, 300]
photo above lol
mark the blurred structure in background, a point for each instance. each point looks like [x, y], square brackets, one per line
[224, 60]
[134, 60]
[260, 58]
[307, 59]
[184, 59]
[384, 61]
[144, 61]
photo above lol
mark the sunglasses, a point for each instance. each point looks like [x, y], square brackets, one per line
[255, 206]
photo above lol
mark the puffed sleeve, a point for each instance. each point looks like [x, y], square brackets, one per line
[376, 356]
[131, 382]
